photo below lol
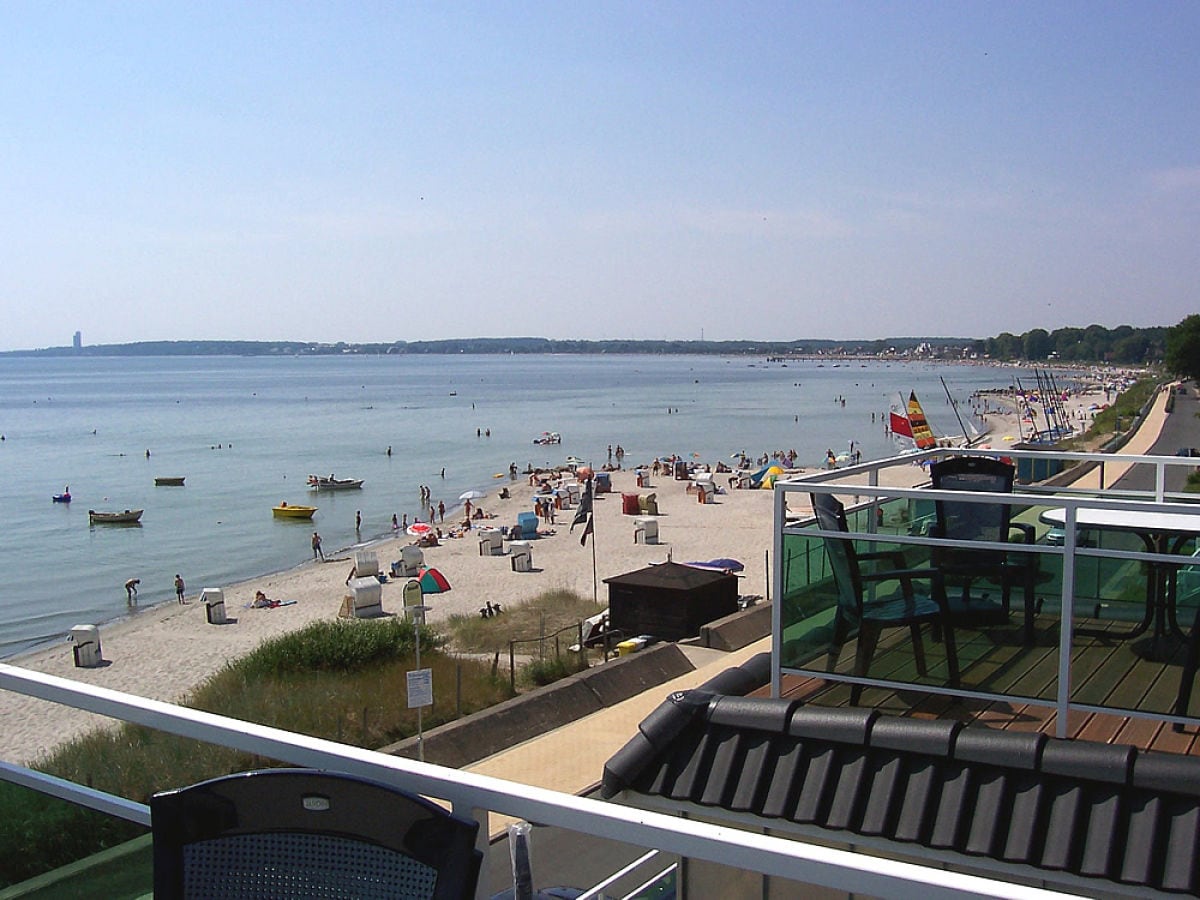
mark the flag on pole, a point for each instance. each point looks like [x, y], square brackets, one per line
[584, 513]
[587, 529]
[899, 425]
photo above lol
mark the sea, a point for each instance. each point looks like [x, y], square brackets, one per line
[245, 432]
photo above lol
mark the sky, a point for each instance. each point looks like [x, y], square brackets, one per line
[380, 171]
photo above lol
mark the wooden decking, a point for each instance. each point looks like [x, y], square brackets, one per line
[1106, 670]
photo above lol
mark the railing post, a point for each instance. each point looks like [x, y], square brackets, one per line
[1066, 631]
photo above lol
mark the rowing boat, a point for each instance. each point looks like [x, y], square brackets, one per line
[169, 480]
[287, 511]
[126, 517]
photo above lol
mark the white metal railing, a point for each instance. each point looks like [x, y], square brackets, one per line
[476, 795]
[862, 482]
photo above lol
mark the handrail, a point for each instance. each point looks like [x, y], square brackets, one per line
[468, 791]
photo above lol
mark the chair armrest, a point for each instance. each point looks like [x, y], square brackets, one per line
[895, 557]
[937, 581]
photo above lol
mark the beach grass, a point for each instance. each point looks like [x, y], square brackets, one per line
[557, 611]
[343, 681]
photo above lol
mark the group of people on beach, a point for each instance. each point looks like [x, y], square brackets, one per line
[131, 590]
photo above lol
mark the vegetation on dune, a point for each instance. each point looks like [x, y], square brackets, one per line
[343, 681]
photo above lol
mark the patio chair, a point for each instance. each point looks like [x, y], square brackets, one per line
[903, 607]
[287, 833]
[1187, 592]
[982, 522]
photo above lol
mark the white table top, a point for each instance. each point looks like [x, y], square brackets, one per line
[1122, 520]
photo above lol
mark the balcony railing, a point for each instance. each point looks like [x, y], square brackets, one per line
[481, 796]
[1095, 583]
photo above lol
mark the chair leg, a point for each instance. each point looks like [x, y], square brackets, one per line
[918, 648]
[951, 654]
[868, 638]
[839, 639]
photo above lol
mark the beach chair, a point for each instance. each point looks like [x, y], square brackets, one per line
[521, 556]
[904, 606]
[411, 559]
[645, 531]
[982, 522]
[491, 542]
[366, 563]
[366, 598]
[300, 833]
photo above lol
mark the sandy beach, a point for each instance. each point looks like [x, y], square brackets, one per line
[164, 652]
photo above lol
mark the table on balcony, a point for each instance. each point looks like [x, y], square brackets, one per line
[1163, 533]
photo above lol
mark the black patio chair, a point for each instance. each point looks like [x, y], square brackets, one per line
[904, 606]
[982, 522]
[299, 833]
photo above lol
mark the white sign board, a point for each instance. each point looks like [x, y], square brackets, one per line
[420, 688]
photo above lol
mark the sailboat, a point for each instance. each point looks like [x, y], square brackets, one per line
[912, 424]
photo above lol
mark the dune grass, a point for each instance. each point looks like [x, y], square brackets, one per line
[548, 613]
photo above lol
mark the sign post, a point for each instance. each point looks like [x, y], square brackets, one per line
[420, 681]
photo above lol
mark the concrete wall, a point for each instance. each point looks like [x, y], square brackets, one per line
[474, 737]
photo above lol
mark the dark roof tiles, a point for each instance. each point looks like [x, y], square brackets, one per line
[1094, 810]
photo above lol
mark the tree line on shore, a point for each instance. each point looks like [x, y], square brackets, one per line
[1123, 345]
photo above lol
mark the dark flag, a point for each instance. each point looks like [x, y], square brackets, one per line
[587, 529]
[584, 513]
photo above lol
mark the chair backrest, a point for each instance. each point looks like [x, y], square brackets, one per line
[843, 560]
[287, 833]
[973, 521]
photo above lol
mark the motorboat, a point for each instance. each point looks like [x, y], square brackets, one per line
[169, 480]
[64, 497]
[548, 437]
[288, 511]
[125, 517]
[323, 483]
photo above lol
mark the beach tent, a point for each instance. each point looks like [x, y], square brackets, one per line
[432, 581]
[769, 476]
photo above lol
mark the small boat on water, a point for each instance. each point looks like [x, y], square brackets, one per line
[64, 497]
[548, 437]
[169, 480]
[126, 517]
[323, 483]
[288, 511]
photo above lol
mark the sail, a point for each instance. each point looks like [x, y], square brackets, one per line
[922, 435]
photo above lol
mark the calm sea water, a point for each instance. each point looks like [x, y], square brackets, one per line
[247, 431]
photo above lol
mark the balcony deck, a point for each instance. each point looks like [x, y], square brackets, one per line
[1106, 672]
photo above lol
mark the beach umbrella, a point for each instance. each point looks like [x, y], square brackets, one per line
[721, 564]
[419, 529]
[472, 495]
[585, 472]
[432, 581]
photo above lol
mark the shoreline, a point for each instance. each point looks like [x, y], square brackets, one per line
[163, 652]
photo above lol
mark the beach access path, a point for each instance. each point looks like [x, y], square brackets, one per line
[166, 651]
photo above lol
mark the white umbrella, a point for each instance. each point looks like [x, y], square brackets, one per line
[472, 495]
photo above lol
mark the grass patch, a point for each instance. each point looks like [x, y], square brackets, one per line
[341, 680]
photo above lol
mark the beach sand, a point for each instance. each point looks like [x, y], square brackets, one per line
[166, 651]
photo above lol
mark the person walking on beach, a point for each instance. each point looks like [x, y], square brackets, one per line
[316, 545]
[179, 589]
[441, 511]
[131, 587]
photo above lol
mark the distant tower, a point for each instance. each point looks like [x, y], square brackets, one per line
[78, 340]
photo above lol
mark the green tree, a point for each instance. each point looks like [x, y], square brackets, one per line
[1183, 348]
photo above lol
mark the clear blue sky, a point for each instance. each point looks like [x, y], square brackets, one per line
[388, 170]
